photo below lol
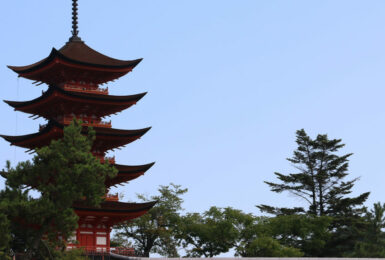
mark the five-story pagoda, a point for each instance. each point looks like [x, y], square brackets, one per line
[74, 74]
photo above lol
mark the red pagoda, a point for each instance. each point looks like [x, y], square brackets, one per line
[74, 75]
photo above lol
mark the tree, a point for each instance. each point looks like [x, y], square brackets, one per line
[372, 242]
[248, 227]
[62, 173]
[319, 180]
[5, 234]
[155, 231]
[284, 236]
[218, 230]
[309, 234]
[269, 247]
[209, 234]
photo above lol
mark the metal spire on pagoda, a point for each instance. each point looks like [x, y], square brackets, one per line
[75, 31]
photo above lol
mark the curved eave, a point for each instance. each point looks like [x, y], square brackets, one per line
[112, 212]
[127, 173]
[57, 55]
[113, 132]
[133, 169]
[106, 138]
[116, 207]
[18, 138]
[82, 98]
[36, 65]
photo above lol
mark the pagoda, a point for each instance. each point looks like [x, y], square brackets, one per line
[74, 74]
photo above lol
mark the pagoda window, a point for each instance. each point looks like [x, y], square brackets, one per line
[101, 240]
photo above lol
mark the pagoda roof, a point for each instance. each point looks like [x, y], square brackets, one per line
[127, 173]
[112, 212]
[71, 102]
[106, 138]
[76, 61]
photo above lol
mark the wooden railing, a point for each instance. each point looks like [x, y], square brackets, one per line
[97, 250]
[123, 251]
[84, 88]
[110, 160]
[112, 197]
[87, 121]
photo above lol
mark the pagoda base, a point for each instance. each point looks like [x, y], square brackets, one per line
[92, 237]
[95, 224]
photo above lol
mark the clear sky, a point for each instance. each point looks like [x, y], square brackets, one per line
[229, 83]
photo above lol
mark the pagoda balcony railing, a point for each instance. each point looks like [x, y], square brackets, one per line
[110, 160]
[103, 159]
[99, 250]
[112, 197]
[85, 88]
[87, 121]
[123, 251]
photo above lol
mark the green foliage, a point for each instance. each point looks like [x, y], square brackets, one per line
[306, 235]
[319, 180]
[218, 230]
[346, 232]
[248, 227]
[62, 173]
[5, 234]
[120, 241]
[65, 170]
[372, 240]
[269, 247]
[310, 234]
[253, 228]
[155, 231]
[209, 234]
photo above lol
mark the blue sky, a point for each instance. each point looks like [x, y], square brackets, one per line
[229, 83]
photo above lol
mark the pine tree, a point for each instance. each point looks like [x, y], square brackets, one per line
[319, 180]
[61, 173]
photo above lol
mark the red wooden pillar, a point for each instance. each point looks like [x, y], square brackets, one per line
[108, 231]
[78, 234]
[95, 235]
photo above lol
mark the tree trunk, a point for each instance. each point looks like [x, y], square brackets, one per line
[313, 185]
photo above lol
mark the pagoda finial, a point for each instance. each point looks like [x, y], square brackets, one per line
[75, 31]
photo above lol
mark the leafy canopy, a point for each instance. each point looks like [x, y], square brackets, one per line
[211, 233]
[155, 231]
